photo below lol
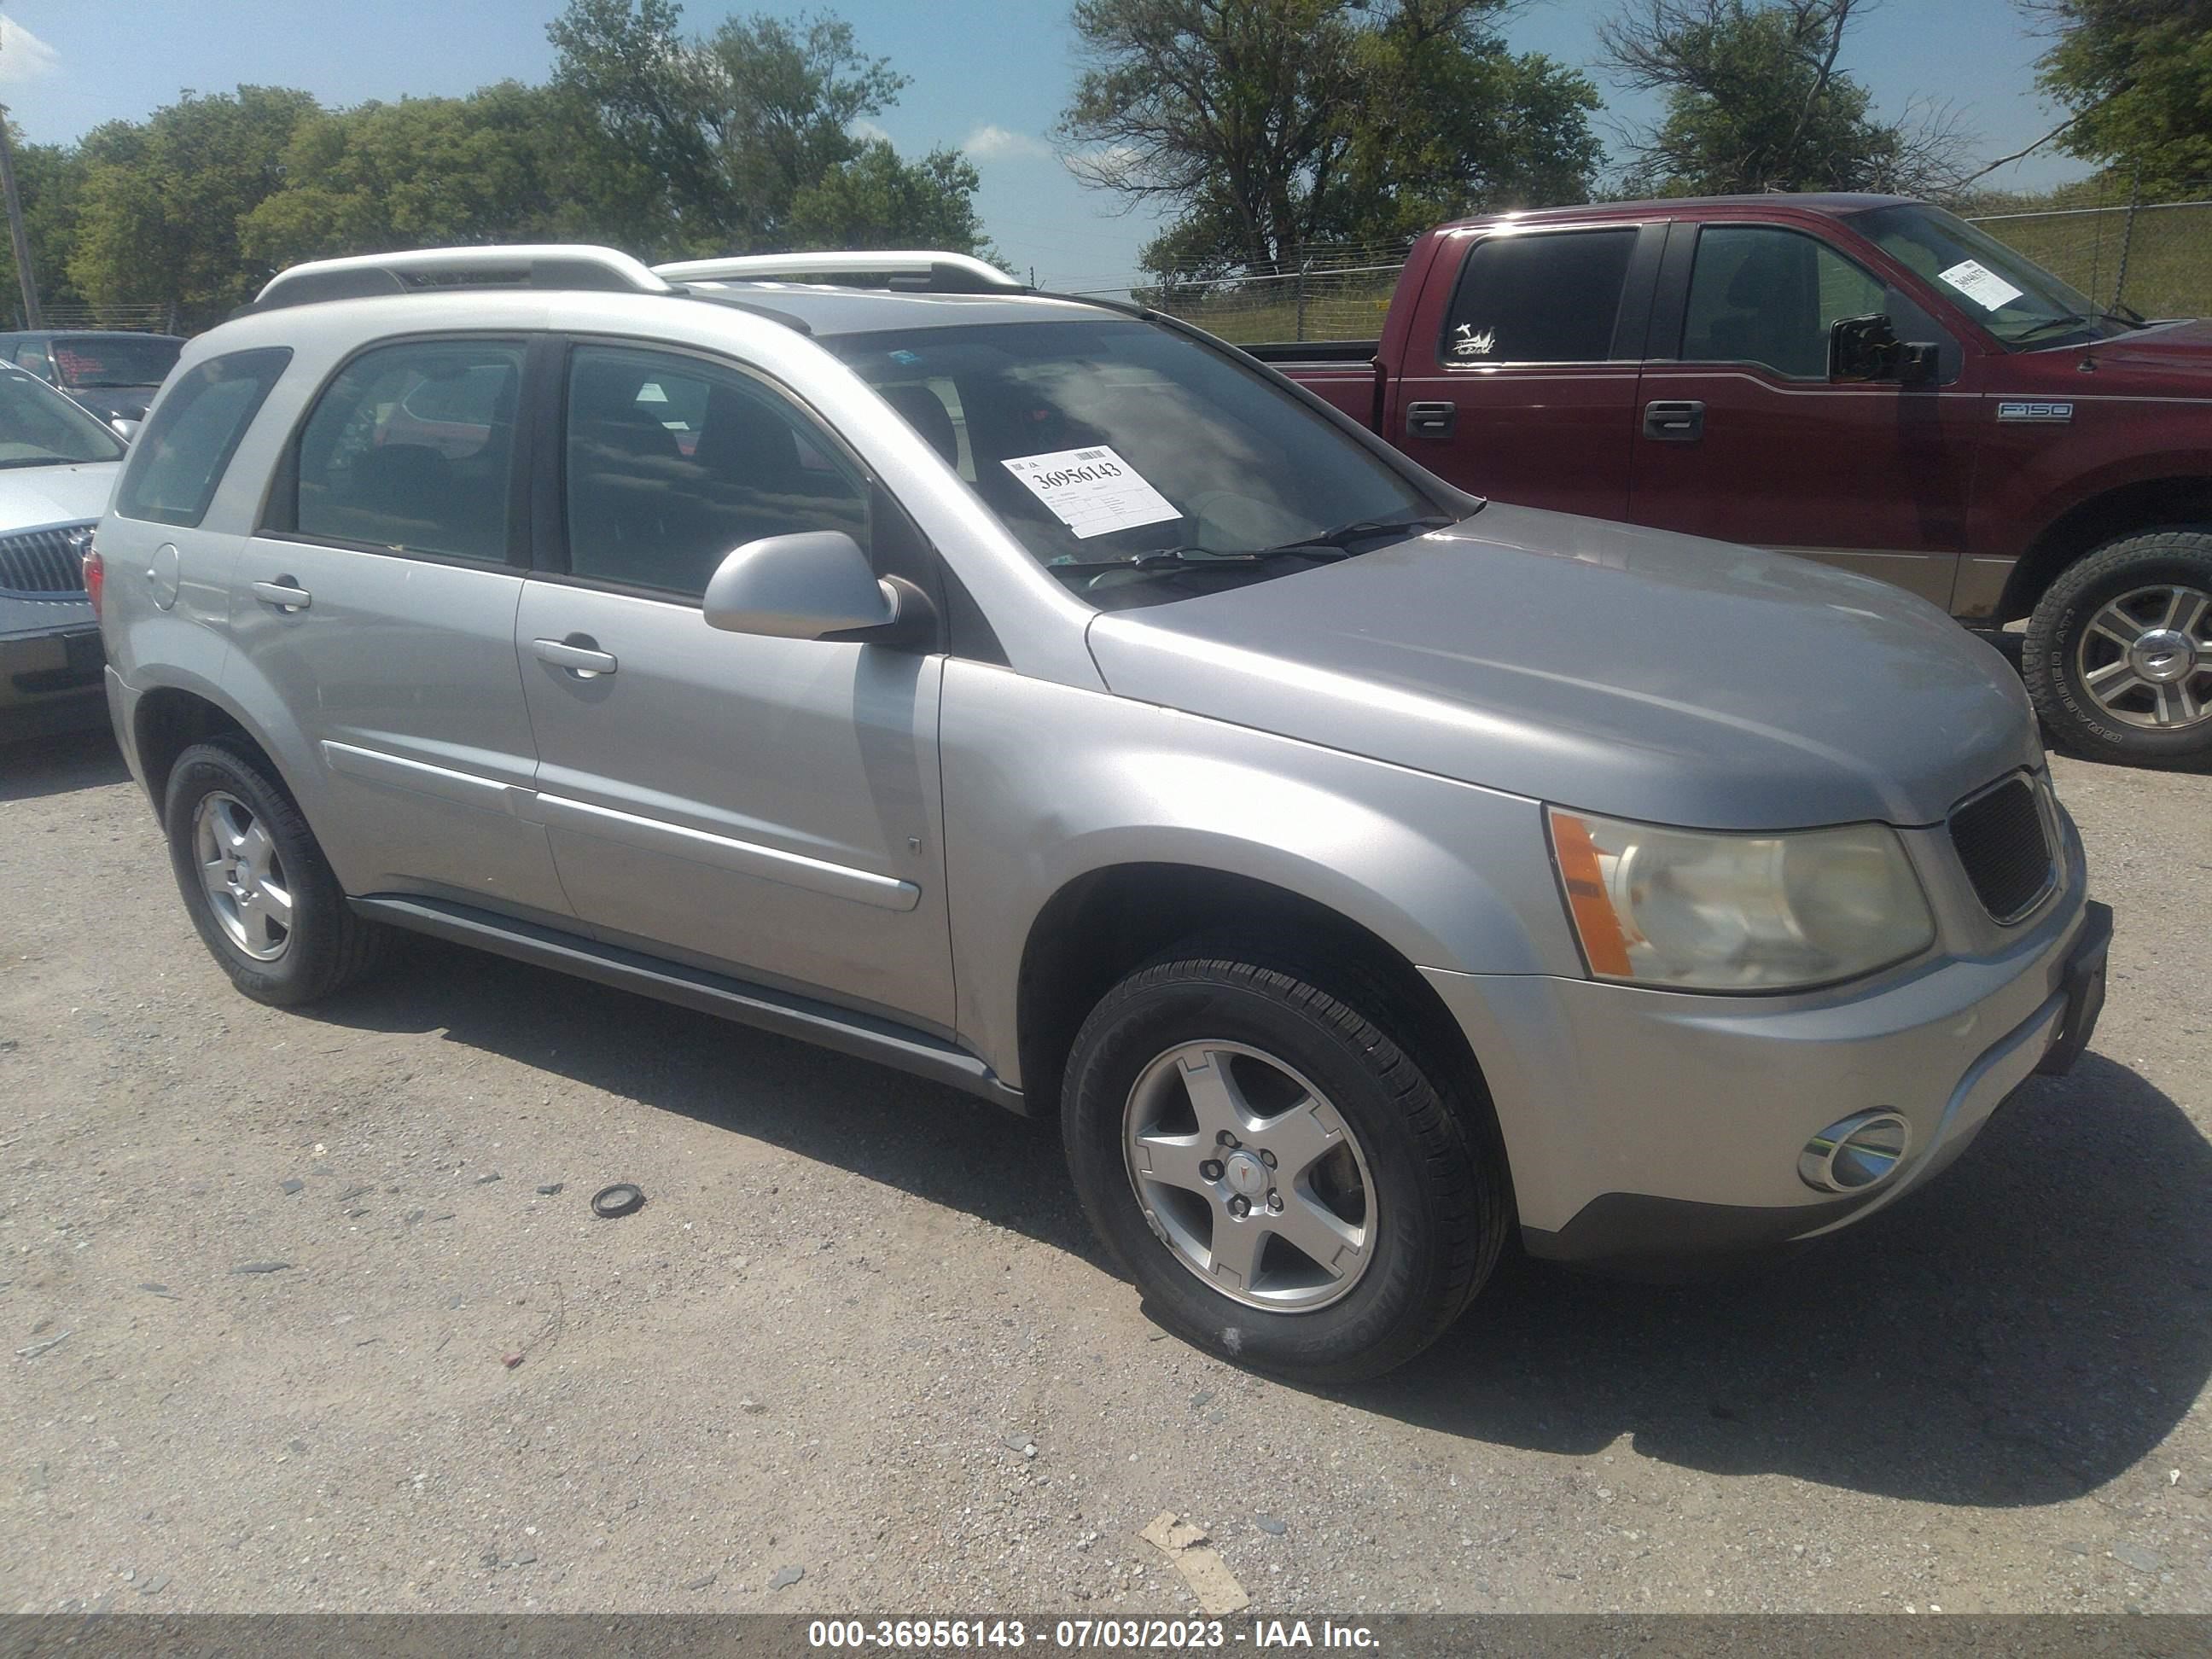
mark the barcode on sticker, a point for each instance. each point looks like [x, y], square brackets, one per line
[1090, 454]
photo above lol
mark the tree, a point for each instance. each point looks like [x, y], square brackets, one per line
[421, 172]
[1273, 127]
[2137, 76]
[1755, 101]
[49, 179]
[161, 204]
[713, 145]
[876, 200]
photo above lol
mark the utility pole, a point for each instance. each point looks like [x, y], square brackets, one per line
[15, 233]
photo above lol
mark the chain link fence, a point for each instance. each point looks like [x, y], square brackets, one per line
[143, 319]
[2156, 256]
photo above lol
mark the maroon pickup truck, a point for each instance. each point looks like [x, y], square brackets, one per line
[1865, 381]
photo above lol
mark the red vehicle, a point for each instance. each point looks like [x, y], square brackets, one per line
[1865, 381]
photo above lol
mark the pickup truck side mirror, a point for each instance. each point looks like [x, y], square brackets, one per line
[1866, 349]
[815, 584]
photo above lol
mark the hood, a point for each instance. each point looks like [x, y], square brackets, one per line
[32, 497]
[2175, 356]
[1629, 671]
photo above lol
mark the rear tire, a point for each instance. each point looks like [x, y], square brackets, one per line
[2119, 653]
[256, 884]
[1332, 1114]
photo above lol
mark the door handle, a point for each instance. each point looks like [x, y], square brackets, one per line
[583, 660]
[1431, 420]
[1675, 422]
[285, 594]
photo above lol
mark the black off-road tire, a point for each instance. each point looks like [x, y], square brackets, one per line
[328, 946]
[1442, 1197]
[2049, 660]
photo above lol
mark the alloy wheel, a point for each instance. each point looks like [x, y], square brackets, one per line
[1249, 1176]
[2146, 658]
[242, 876]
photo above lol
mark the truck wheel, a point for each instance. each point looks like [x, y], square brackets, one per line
[1286, 1184]
[2119, 653]
[255, 883]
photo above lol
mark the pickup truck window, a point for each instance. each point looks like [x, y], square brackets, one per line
[1136, 465]
[1553, 298]
[1764, 296]
[2023, 305]
[1760, 294]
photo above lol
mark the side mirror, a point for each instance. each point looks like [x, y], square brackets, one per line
[1863, 349]
[812, 586]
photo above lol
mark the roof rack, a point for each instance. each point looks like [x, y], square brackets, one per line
[602, 269]
[911, 269]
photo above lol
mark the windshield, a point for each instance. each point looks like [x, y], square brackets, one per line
[1135, 465]
[2018, 301]
[84, 360]
[39, 427]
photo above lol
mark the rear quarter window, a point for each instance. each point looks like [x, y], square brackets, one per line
[180, 457]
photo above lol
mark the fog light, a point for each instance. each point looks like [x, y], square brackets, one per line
[1854, 1153]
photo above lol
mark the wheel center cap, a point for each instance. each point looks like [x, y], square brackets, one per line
[2163, 656]
[1246, 1175]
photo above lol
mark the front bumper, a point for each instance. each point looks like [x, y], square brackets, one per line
[53, 675]
[1653, 1129]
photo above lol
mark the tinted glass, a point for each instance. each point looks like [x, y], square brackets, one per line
[1763, 295]
[412, 448]
[114, 360]
[1544, 299]
[1104, 442]
[32, 357]
[673, 462]
[39, 427]
[195, 429]
[2016, 298]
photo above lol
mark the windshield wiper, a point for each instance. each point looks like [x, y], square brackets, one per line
[2064, 320]
[1360, 529]
[1202, 558]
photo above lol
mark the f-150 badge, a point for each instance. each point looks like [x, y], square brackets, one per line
[2043, 412]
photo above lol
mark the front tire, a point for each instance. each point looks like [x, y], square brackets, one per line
[255, 885]
[1288, 1186]
[2119, 653]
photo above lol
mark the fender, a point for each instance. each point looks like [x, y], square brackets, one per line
[1128, 783]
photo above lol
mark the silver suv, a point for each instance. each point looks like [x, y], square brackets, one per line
[1042, 697]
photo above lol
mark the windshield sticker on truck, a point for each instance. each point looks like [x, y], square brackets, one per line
[1980, 284]
[1093, 491]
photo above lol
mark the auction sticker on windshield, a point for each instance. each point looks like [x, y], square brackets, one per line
[1093, 491]
[1980, 284]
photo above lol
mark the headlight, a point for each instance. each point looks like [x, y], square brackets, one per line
[1699, 910]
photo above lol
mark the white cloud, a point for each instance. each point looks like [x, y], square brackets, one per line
[23, 55]
[866, 129]
[988, 143]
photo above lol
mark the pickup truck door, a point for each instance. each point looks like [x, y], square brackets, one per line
[1741, 435]
[765, 807]
[1519, 377]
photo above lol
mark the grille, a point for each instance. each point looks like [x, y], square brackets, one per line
[2000, 841]
[41, 563]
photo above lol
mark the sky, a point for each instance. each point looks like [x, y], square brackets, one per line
[989, 76]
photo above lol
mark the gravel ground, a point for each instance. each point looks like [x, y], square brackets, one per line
[857, 1351]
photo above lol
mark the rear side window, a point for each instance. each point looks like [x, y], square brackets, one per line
[1553, 298]
[411, 450]
[180, 458]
